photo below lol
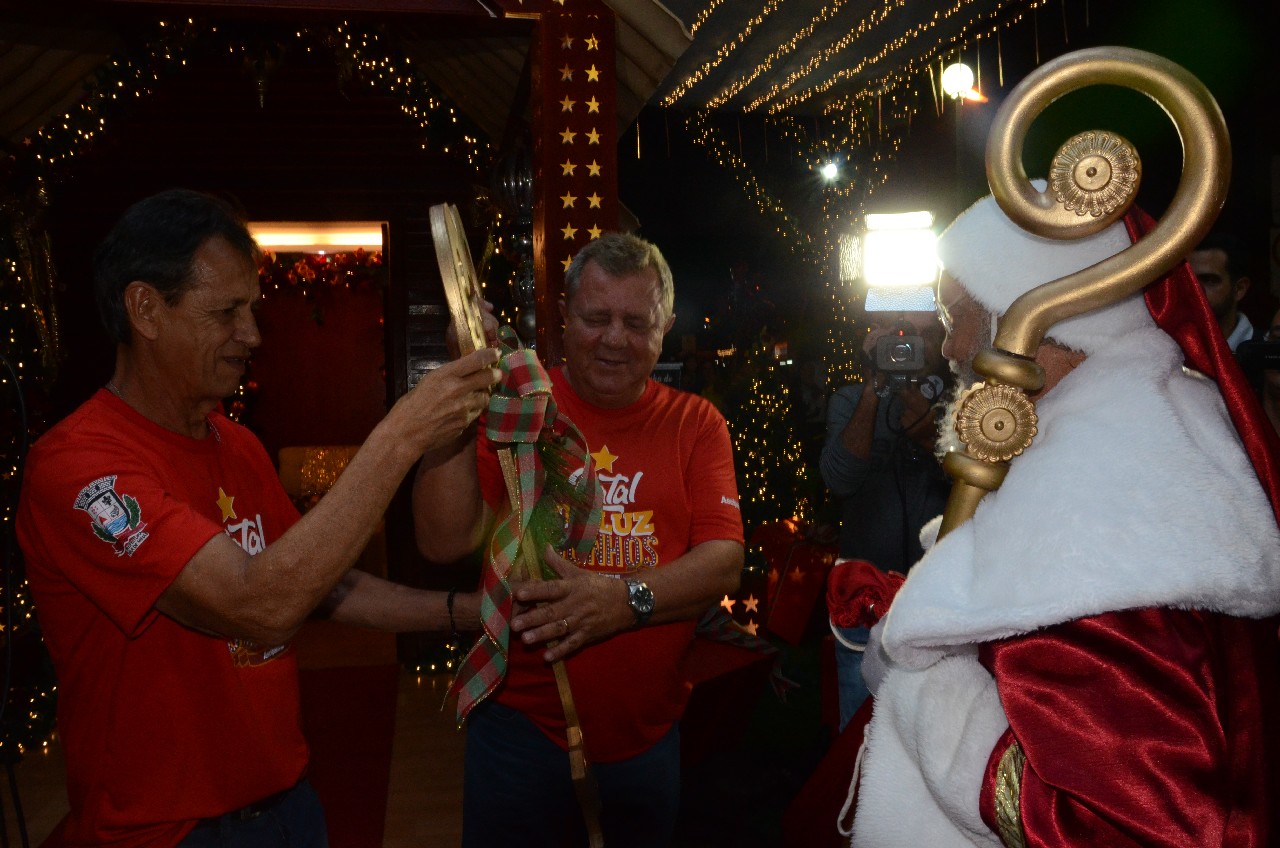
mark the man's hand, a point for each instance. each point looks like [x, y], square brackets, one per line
[447, 400]
[579, 609]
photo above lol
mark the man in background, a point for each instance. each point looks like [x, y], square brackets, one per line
[878, 462]
[1219, 265]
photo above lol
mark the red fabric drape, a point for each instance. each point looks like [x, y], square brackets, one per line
[1178, 304]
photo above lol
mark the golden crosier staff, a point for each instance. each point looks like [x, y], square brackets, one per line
[1093, 181]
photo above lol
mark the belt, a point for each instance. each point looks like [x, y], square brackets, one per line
[249, 812]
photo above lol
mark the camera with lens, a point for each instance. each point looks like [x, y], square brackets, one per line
[900, 356]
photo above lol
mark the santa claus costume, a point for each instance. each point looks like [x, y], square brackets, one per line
[1091, 659]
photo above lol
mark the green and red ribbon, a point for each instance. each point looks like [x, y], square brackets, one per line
[556, 506]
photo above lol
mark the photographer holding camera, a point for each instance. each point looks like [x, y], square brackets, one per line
[878, 459]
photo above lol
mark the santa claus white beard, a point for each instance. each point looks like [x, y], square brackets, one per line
[963, 376]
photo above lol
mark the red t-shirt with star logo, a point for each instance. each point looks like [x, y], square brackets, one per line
[665, 464]
[160, 725]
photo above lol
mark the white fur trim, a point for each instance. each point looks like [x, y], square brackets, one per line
[997, 262]
[1136, 493]
[930, 736]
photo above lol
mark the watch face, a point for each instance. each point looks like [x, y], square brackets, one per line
[640, 597]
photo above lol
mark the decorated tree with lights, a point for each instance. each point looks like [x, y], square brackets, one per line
[770, 461]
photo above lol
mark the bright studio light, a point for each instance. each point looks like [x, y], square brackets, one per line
[899, 262]
[830, 171]
[899, 250]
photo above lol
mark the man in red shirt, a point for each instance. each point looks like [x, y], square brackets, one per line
[170, 569]
[669, 547]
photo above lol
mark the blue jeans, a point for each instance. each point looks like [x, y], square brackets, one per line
[296, 821]
[517, 789]
[852, 688]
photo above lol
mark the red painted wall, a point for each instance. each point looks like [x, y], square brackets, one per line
[319, 374]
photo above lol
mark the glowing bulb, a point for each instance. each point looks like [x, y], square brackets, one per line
[957, 80]
[830, 170]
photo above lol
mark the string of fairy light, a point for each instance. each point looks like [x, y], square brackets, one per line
[888, 97]
[32, 702]
[723, 52]
[706, 134]
[860, 31]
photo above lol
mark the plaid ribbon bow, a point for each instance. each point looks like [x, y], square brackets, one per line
[545, 449]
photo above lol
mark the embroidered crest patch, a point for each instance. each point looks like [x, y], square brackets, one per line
[115, 520]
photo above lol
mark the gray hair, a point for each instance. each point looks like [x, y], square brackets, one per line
[620, 255]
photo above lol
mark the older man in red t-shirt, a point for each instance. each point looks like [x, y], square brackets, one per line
[670, 546]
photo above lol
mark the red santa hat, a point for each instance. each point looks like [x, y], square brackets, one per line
[996, 261]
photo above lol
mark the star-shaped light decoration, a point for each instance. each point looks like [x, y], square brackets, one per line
[568, 136]
[593, 137]
[566, 262]
[595, 201]
[569, 232]
[567, 105]
[226, 503]
[752, 628]
[728, 604]
[593, 43]
[604, 459]
[593, 105]
[593, 74]
[566, 42]
[593, 170]
[568, 200]
[566, 73]
[751, 604]
[595, 232]
[567, 168]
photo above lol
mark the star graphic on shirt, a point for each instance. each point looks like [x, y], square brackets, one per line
[593, 74]
[593, 170]
[226, 503]
[752, 603]
[593, 105]
[604, 459]
[728, 604]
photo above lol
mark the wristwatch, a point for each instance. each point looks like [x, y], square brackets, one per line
[640, 599]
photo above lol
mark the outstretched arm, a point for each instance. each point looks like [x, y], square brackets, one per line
[266, 597]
